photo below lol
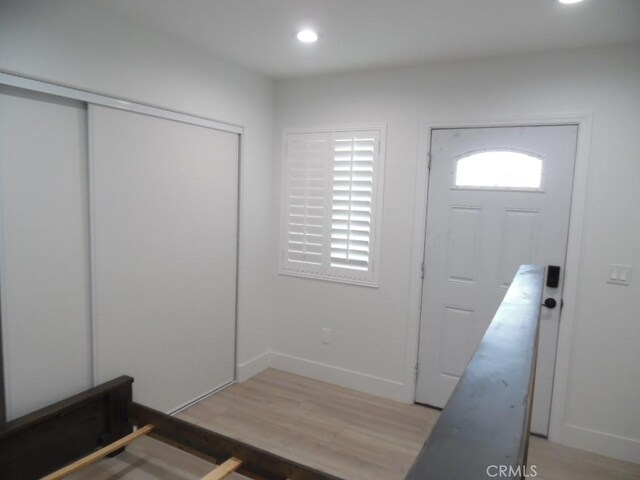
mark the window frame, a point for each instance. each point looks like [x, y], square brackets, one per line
[326, 272]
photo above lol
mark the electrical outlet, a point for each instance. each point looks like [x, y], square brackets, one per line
[326, 336]
[619, 274]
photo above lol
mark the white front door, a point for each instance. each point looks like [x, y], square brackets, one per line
[498, 198]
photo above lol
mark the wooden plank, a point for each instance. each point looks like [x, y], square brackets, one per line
[43, 441]
[211, 445]
[224, 469]
[485, 423]
[99, 454]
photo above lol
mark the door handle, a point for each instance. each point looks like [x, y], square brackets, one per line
[550, 303]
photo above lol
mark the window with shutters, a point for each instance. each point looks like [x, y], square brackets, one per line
[331, 194]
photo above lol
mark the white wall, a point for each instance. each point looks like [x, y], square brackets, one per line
[75, 42]
[374, 330]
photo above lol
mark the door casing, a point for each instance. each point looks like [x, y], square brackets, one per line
[574, 245]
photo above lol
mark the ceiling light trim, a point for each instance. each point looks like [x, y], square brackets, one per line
[307, 35]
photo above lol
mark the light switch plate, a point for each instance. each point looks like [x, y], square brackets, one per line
[619, 274]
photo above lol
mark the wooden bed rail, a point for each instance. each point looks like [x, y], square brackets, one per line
[47, 439]
[485, 423]
[256, 463]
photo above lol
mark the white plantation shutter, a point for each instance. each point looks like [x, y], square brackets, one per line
[306, 192]
[354, 157]
[330, 188]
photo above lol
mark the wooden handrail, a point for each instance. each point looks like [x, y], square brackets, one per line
[485, 423]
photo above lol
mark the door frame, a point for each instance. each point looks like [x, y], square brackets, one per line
[573, 264]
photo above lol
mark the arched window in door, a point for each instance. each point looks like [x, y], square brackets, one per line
[498, 170]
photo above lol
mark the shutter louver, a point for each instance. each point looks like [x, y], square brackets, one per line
[352, 197]
[307, 185]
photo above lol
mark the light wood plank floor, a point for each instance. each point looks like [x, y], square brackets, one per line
[358, 436]
[350, 434]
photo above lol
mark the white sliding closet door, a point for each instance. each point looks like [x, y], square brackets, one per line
[44, 249]
[164, 238]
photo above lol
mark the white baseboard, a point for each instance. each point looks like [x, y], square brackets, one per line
[614, 446]
[363, 382]
[199, 398]
[254, 366]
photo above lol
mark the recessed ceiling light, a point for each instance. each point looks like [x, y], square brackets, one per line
[567, 2]
[307, 36]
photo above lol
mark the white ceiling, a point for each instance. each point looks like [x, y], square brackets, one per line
[359, 34]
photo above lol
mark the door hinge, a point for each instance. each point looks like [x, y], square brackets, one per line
[417, 368]
[422, 270]
[429, 161]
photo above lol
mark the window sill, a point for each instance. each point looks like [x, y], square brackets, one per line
[330, 278]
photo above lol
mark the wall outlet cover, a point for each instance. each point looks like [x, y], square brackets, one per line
[326, 336]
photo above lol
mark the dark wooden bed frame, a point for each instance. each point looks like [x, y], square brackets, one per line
[44, 441]
[485, 422]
